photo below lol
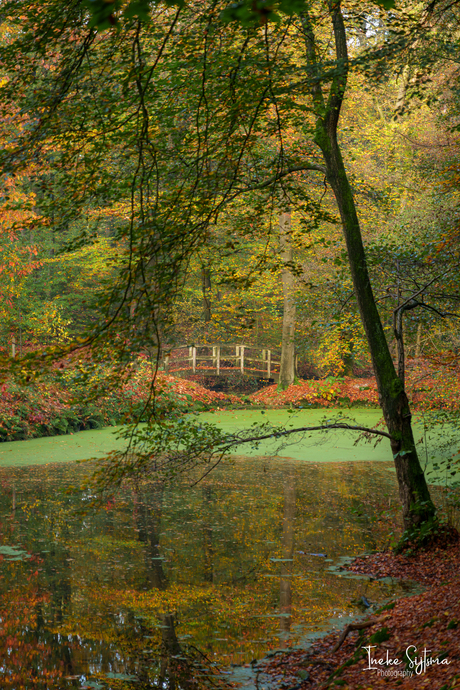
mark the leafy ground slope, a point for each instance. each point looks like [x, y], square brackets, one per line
[68, 402]
[430, 621]
[428, 385]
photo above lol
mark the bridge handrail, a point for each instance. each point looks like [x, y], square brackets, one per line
[249, 347]
[217, 359]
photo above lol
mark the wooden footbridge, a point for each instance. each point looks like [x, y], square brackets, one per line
[222, 360]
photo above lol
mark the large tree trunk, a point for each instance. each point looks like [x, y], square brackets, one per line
[287, 366]
[413, 491]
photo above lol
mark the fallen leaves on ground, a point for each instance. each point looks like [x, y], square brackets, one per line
[428, 621]
[427, 385]
[184, 388]
[320, 393]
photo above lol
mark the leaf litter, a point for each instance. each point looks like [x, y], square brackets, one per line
[427, 621]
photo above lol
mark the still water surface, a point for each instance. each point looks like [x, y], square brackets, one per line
[174, 582]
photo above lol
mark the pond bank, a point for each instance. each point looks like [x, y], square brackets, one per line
[332, 446]
[430, 620]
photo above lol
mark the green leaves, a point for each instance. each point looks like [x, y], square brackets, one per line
[103, 14]
[106, 13]
[261, 11]
[386, 4]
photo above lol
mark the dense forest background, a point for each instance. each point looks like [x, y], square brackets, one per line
[65, 206]
[277, 176]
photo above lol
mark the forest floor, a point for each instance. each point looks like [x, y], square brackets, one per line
[67, 401]
[405, 632]
[428, 386]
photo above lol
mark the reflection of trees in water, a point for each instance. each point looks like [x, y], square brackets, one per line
[175, 666]
[287, 552]
[31, 655]
[184, 667]
[340, 505]
[147, 511]
[208, 574]
[218, 536]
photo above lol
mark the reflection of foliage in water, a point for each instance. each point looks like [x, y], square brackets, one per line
[440, 458]
[161, 573]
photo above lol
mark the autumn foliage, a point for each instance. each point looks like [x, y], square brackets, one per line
[56, 405]
[429, 386]
[429, 620]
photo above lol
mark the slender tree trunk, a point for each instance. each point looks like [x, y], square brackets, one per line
[287, 365]
[413, 491]
[206, 290]
[418, 344]
[288, 551]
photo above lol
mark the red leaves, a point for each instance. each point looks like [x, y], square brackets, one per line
[430, 620]
[323, 393]
[185, 388]
[428, 386]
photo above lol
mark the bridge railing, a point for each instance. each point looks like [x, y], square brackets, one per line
[223, 359]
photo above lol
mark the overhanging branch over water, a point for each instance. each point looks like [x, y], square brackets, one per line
[239, 439]
[165, 450]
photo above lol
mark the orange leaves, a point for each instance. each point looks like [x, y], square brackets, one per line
[428, 620]
[323, 393]
[429, 387]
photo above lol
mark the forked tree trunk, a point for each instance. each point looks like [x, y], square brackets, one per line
[413, 491]
[287, 365]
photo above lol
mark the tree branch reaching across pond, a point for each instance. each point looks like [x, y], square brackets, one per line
[170, 448]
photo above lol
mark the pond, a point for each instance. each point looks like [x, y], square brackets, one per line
[435, 444]
[170, 583]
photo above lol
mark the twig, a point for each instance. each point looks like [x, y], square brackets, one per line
[349, 628]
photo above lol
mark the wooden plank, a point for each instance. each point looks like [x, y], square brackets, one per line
[249, 360]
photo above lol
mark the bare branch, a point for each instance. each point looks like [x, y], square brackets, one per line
[272, 180]
[236, 440]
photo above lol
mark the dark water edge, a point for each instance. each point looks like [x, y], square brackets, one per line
[252, 677]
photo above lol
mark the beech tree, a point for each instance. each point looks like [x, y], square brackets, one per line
[287, 364]
[415, 498]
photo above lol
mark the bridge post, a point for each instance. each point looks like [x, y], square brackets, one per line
[166, 363]
[218, 360]
[192, 357]
[269, 363]
[242, 359]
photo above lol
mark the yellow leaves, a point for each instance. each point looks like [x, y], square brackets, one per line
[177, 596]
[49, 323]
[339, 345]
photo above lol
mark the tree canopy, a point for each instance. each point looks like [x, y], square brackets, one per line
[149, 151]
